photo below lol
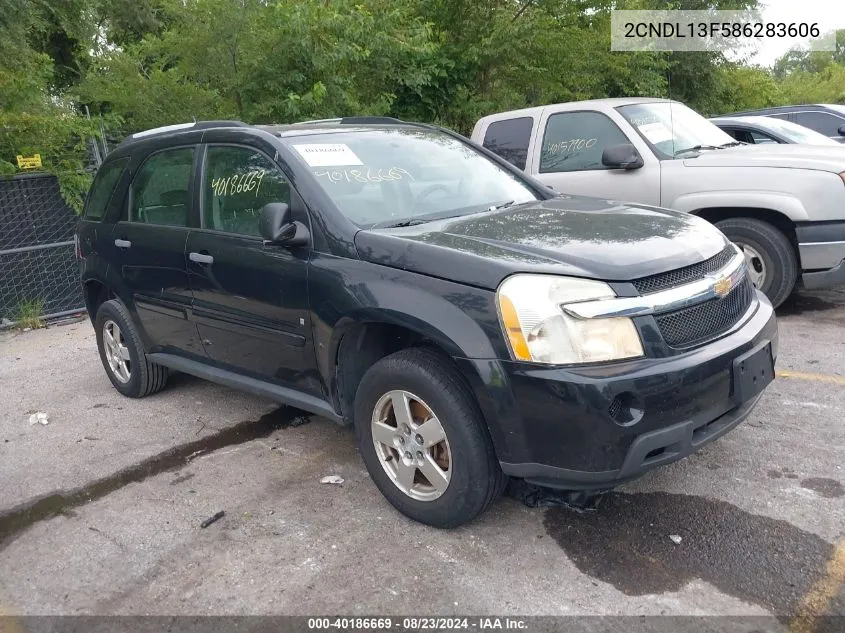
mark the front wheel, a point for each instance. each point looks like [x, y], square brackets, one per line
[424, 441]
[771, 258]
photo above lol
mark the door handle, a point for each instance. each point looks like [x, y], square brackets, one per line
[122, 243]
[201, 258]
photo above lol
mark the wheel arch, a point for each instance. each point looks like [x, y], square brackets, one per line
[778, 219]
[358, 343]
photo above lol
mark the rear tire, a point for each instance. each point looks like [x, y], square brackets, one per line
[769, 253]
[123, 354]
[469, 478]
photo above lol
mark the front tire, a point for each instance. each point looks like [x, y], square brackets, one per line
[771, 258]
[424, 440]
[123, 354]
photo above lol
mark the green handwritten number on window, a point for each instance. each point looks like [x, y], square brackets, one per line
[238, 183]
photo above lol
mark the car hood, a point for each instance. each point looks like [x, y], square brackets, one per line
[819, 157]
[567, 235]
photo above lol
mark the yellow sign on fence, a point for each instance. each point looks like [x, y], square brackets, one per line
[29, 162]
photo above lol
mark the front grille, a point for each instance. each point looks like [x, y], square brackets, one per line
[706, 321]
[681, 276]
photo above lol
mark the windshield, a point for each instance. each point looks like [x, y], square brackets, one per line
[671, 128]
[797, 133]
[387, 176]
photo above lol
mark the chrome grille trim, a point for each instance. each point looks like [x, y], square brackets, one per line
[669, 300]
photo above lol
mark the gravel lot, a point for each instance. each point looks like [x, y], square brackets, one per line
[100, 510]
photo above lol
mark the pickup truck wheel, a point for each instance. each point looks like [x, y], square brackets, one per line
[122, 353]
[771, 259]
[424, 441]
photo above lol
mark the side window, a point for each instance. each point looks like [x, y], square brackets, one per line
[574, 141]
[509, 139]
[827, 124]
[102, 189]
[758, 138]
[161, 190]
[237, 183]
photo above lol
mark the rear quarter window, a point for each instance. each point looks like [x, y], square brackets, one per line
[509, 139]
[102, 189]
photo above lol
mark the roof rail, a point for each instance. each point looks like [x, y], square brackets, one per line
[195, 125]
[357, 120]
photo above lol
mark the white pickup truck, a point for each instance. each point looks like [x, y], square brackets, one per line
[784, 205]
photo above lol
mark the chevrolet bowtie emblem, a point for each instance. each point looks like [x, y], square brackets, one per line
[723, 286]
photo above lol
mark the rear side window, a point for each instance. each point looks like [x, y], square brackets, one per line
[509, 139]
[103, 188]
[827, 124]
[575, 141]
[161, 191]
[238, 182]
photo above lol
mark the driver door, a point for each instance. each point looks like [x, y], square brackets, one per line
[250, 299]
[568, 158]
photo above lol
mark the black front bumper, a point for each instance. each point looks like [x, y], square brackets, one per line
[562, 427]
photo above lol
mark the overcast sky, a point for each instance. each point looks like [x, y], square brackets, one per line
[830, 15]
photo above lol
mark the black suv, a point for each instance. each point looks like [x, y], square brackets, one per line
[470, 323]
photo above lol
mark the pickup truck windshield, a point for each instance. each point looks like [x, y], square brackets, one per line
[400, 176]
[674, 130]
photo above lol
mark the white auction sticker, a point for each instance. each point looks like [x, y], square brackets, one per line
[327, 154]
[656, 132]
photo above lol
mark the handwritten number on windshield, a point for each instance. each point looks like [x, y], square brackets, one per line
[366, 175]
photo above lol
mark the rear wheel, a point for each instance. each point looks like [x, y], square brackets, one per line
[771, 258]
[424, 441]
[123, 355]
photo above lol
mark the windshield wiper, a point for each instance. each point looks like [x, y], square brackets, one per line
[501, 205]
[396, 225]
[695, 149]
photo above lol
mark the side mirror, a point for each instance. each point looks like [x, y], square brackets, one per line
[277, 226]
[623, 156]
[841, 130]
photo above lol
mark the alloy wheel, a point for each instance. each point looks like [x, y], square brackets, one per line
[117, 353]
[411, 445]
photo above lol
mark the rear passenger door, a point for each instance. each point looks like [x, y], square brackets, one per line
[149, 247]
[569, 153]
[250, 299]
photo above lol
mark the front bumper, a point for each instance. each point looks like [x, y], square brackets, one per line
[821, 246]
[561, 427]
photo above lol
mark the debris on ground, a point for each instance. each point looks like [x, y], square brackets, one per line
[39, 418]
[675, 538]
[535, 496]
[212, 519]
[298, 420]
[332, 479]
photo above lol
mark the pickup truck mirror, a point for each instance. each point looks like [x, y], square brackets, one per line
[278, 227]
[622, 156]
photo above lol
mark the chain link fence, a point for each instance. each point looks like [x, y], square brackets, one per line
[37, 253]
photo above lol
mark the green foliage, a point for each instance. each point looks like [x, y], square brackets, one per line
[27, 314]
[147, 63]
[61, 138]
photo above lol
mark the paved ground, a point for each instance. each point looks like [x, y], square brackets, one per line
[100, 510]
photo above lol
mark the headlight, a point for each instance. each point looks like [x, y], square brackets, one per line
[539, 331]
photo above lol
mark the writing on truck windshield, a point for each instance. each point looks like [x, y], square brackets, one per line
[673, 128]
[376, 177]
